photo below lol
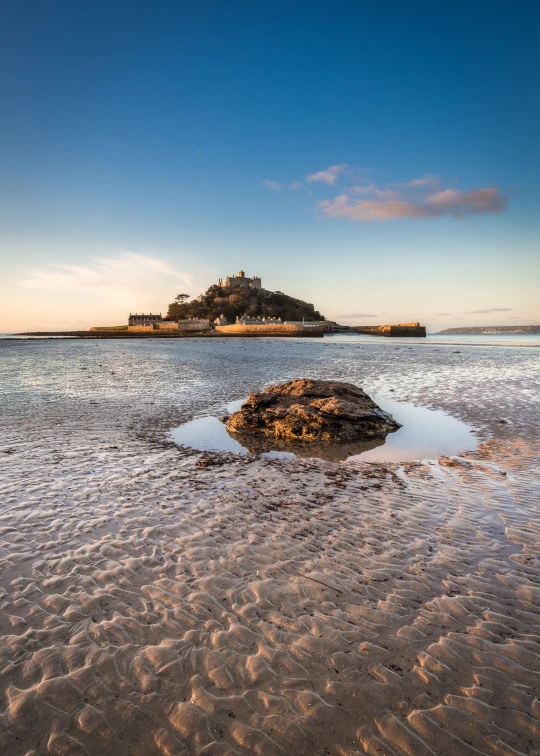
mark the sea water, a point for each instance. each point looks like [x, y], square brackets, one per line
[171, 382]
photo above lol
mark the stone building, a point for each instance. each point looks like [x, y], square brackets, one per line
[138, 322]
[240, 282]
[157, 323]
[143, 320]
[247, 320]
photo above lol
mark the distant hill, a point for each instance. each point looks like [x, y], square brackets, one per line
[231, 303]
[493, 330]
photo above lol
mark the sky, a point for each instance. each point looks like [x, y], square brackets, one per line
[379, 160]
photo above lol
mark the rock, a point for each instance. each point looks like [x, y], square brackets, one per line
[312, 410]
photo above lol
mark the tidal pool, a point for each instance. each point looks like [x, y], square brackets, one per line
[425, 434]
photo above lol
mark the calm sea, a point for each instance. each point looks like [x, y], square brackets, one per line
[482, 380]
[525, 340]
[464, 339]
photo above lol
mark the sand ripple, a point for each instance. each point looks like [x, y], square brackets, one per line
[156, 601]
[397, 613]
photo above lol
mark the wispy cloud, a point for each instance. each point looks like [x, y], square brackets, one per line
[356, 315]
[275, 186]
[330, 175]
[443, 313]
[421, 181]
[491, 309]
[420, 198]
[126, 280]
[424, 181]
[374, 191]
[453, 202]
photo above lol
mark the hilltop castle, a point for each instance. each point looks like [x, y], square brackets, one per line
[240, 282]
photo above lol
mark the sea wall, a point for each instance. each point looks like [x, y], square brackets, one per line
[266, 329]
[167, 333]
[397, 330]
[167, 325]
[194, 325]
[404, 330]
[109, 328]
[141, 328]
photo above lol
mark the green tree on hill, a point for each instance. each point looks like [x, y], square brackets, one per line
[233, 303]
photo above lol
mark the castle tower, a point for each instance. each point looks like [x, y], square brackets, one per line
[241, 281]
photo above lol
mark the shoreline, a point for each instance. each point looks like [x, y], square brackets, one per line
[338, 338]
[160, 335]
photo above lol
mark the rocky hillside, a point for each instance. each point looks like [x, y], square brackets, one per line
[233, 302]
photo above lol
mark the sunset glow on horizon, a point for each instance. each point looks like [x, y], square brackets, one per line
[379, 164]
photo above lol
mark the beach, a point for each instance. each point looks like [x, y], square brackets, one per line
[157, 599]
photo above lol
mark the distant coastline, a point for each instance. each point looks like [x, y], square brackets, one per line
[492, 330]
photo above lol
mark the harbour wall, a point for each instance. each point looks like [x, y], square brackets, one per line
[194, 324]
[397, 330]
[167, 325]
[267, 329]
[169, 333]
[109, 328]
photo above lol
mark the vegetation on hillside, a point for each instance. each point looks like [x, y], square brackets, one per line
[236, 302]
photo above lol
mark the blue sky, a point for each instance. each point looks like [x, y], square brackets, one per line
[378, 159]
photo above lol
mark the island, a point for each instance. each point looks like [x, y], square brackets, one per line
[235, 306]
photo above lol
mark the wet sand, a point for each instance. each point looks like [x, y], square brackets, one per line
[161, 334]
[160, 601]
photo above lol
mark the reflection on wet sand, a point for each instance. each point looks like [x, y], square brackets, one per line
[424, 434]
[332, 452]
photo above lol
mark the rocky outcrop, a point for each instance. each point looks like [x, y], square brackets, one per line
[312, 410]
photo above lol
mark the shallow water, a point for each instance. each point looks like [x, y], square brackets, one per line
[425, 434]
[446, 339]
